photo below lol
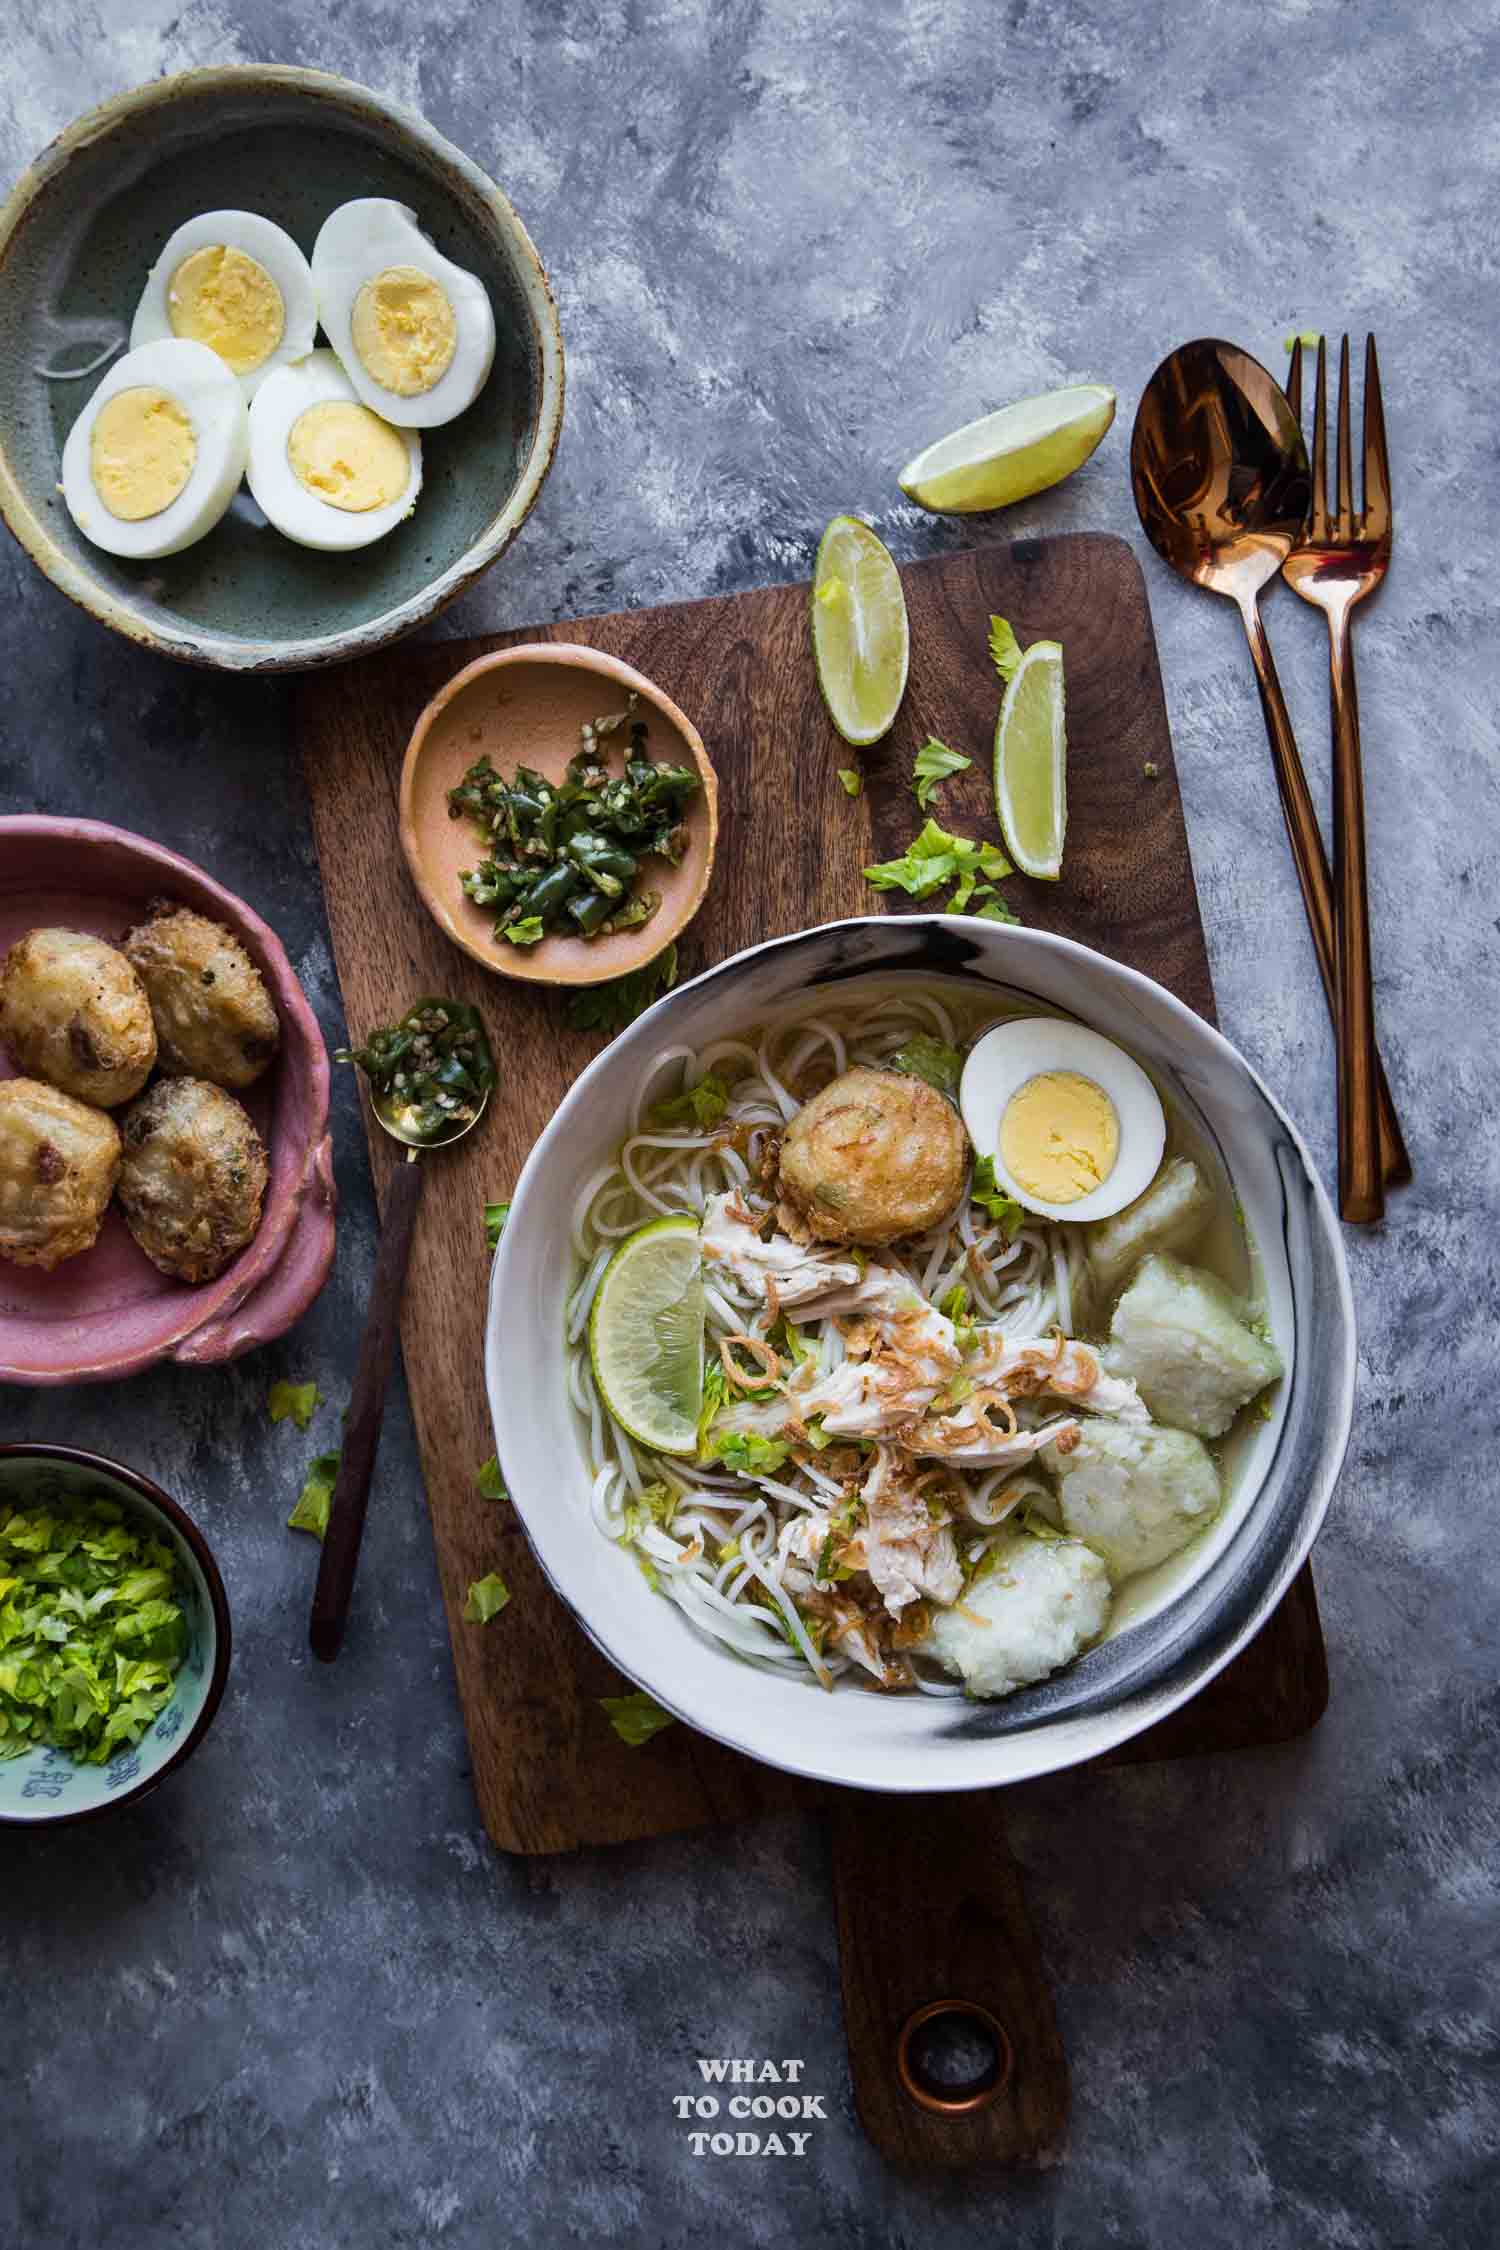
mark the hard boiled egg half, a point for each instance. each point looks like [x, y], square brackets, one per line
[327, 471]
[415, 332]
[237, 283]
[1074, 1126]
[153, 460]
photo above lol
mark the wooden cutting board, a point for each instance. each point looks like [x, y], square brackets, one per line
[930, 1904]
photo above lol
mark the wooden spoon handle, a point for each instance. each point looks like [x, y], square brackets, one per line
[377, 1352]
[1311, 862]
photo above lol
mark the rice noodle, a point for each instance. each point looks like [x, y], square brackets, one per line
[1026, 1284]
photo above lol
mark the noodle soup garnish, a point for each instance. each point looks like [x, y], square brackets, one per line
[937, 1431]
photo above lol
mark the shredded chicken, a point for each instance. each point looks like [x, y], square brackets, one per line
[970, 1440]
[902, 1354]
[730, 1237]
[1055, 1364]
[859, 1636]
[756, 1417]
[908, 1555]
[867, 1398]
[893, 1387]
[800, 1543]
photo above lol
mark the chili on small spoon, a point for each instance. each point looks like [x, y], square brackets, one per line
[430, 1079]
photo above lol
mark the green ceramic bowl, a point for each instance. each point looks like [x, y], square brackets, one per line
[77, 238]
[46, 1788]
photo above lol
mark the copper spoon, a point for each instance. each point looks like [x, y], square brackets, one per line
[1222, 488]
[417, 1131]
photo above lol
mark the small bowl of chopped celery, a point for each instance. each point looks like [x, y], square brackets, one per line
[114, 1635]
[558, 813]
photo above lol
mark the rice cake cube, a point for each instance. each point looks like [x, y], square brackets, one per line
[1036, 1605]
[1170, 1216]
[1181, 1337]
[1133, 1493]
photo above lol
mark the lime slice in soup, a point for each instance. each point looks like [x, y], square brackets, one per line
[859, 631]
[646, 1335]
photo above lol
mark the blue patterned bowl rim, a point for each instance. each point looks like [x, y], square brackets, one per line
[149, 1495]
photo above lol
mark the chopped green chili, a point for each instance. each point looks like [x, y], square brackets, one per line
[430, 1072]
[565, 857]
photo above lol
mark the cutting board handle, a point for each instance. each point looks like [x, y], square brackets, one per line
[933, 1933]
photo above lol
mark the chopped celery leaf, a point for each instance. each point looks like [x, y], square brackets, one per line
[609, 1007]
[311, 1511]
[294, 1402]
[1002, 1208]
[935, 762]
[635, 1718]
[487, 1597]
[1005, 649]
[92, 1628]
[932, 1059]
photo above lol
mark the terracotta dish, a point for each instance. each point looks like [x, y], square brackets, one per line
[525, 706]
[110, 1312]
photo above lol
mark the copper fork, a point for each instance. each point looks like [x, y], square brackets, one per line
[1342, 557]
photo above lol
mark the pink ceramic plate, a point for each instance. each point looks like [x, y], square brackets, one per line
[109, 1312]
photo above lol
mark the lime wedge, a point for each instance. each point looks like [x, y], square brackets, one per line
[860, 640]
[646, 1335]
[1009, 455]
[1031, 763]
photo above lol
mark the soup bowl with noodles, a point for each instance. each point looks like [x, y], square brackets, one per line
[979, 1486]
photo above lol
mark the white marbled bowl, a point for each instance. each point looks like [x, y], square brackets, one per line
[1184, 1624]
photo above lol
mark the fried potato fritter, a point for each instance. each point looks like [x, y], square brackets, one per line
[874, 1156]
[73, 1011]
[58, 1163]
[214, 1017]
[193, 1179]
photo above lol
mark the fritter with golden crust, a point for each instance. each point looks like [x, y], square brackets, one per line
[193, 1178]
[73, 1011]
[214, 1017]
[58, 1163]
[874, 1156]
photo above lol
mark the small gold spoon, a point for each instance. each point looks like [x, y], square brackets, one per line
[1222, 488]
[430, 1080]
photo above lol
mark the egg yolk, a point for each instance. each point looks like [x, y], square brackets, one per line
[1059, 1136]
[222, 298]
[141, 452]
[405, 331]
[344, 454]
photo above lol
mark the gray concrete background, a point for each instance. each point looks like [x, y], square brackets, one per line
[296, 2001]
